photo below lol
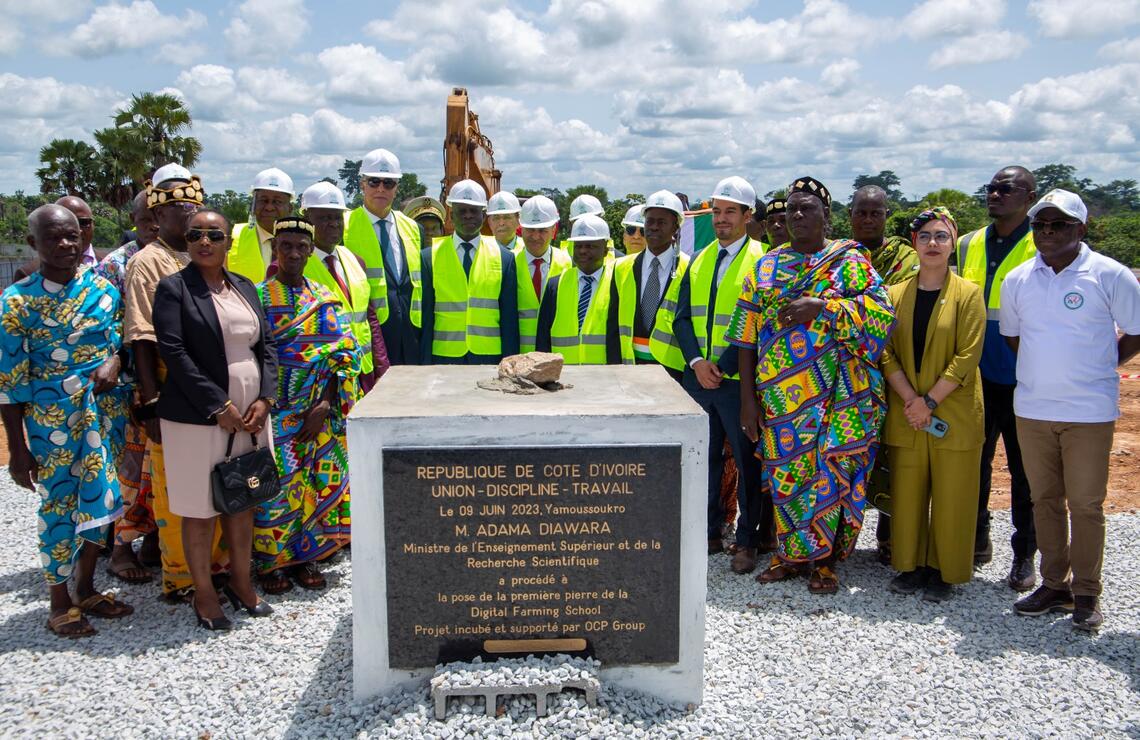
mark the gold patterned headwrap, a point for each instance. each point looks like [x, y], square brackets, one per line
[178, 192]
[811, 186]
[776, 205]
[294, 223]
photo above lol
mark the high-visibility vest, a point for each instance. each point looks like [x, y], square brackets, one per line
[588, 346]
[972, 264]
[466, 309]
[245, 253]
[360, 238]
[528, 302]
[728, 293]
[628, 306]
[568, 246]
[355, 304]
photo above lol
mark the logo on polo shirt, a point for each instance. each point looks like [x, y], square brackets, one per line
[1074, 300]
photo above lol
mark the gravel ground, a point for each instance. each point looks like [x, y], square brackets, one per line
[778, 662]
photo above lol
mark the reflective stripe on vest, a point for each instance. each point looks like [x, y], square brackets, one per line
[354, 305]
[972, 261]
[528, 302]
[360, 238]
[700, 284]
[628, 306]
[466, 310]
[245, 254]
[587, 347]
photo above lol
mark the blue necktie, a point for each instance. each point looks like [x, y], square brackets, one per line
[467, 247]
[710, 317]
[386, 250]
[584, 299]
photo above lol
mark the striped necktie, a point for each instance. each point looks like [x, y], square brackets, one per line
[651, 295]
[584, 299]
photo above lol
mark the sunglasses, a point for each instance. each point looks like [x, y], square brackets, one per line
[1056, 225]
[194, 236]
[1002, 188]
[85, 222]
[375, 182]
[182, 205]
[632, 230]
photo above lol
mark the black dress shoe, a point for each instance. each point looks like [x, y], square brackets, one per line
[983, 548]
[1086, 616]
[883, 552]
[1043, 601]
[715, 545]
[937, 590]
[260, 609]
[1022, 577]
[218, 624]
[909, 582]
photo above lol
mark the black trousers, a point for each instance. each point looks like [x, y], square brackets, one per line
[756, 520]
[1001, 422]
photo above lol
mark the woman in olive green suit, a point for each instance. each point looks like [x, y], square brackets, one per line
[931, 365]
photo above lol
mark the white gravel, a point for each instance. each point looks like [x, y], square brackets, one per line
[778, 662]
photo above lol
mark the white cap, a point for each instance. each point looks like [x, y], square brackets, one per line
[585, 204]
[539, 212]
[273, 179]
[323, 195]
[735, 189]
[668, 201]
[380, 163]
[1067, 203]
[467, 192]
[589, 227]
[634, 217]
[172, 171]
[503, 202]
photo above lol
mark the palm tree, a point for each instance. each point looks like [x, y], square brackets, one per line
[69, 167]
[153, 124]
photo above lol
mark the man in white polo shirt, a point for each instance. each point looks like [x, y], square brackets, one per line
[1060, 312]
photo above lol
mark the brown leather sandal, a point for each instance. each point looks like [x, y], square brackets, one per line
[777, 570]
[275, 582]
[823, 581]
[60, 622]
[105, 606]
[309, 576]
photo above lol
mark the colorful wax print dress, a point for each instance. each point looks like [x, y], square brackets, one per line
[52, 338]
[821, 394]
[310, 519]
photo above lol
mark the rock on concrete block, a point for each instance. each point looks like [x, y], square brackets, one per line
[537, 367]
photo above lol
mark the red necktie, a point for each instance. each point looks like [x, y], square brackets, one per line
[536, 278]
[330, 262]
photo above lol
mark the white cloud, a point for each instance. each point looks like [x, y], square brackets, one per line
[276, 86]
[1071, 19]
[116, 27]
[211, 92]
[944, 17]
[47, 97]
[1124, 50]
[50, 12]
[361, 74]
[10, 39]
[979, 48]
[1109, 88]
[839, 74]
[265, 29]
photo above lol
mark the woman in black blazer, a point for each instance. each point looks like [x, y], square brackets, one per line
[221, 379]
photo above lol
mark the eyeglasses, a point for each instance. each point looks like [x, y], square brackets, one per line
[375, 182]
[1055, 225]
[1002, 188]
[632, 230]
[214, 235]
[938, 237]
[85, 222]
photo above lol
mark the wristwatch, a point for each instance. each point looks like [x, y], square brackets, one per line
[930, 402]
[273, 401]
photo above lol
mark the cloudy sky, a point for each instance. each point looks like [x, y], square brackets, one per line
[630, 95]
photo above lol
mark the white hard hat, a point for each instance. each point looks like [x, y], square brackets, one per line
[1064, 201]
[380, 163]
[467, 192]
[539, 212]
[323, 195]
[668, 201]
[634, 217]
[585, 204]
[503, 202]
[275, 180]
[735, 189]
[589, 227]
[172, 171]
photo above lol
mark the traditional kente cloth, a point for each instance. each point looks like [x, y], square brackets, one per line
[113, 267]
[895, 261]
[52, 338]
[310, 520]
[821, 393]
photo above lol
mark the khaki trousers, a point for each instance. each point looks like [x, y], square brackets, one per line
[1067, 466]
[933, 511]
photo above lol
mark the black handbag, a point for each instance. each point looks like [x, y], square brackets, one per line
[242, 482]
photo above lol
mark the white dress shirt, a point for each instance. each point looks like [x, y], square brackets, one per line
[665, 259]
[733, 250]
[597, 279]
[543, 267]
[389, 223]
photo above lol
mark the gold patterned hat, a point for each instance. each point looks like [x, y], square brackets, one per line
[811, 186]
[178, 192]
[296, 224]
[776, 205]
